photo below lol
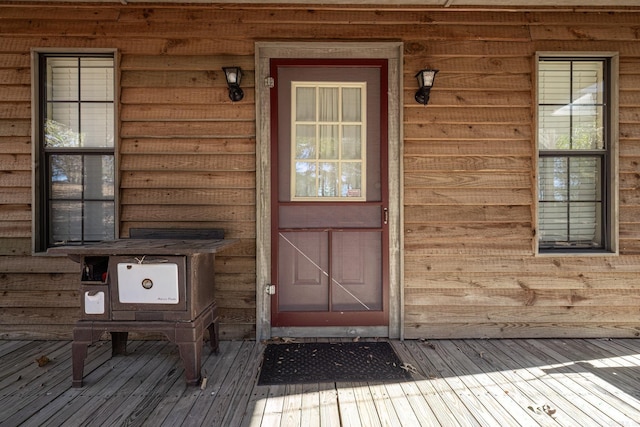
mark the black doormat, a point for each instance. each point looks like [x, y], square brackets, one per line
[298, 363]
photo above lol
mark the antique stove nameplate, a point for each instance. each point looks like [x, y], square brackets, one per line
[148, 283]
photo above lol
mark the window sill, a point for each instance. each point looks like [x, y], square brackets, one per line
[575, 253]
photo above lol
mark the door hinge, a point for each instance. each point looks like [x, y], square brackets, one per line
[270, 289]
[269, 82]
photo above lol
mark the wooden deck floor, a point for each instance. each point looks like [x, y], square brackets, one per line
[457, 383]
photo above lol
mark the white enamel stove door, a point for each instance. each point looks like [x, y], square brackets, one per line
[148, 283]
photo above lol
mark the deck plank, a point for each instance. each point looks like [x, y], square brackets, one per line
[149, 390]
[421, 407]
[489, 392]
[329, 407]
[172, 401]
[99, 384]
[456, 383]
[367, 410]
[472, 392]
[36, 388]
[603, 385]
[611, 360]
[24, 360]
[349, 413]
[8, 347]
[58, 398]
[221, 372]
[292, 406]
[579, 385]
[421, 384]
[137, 380]
[557, 397]
[69, 400]
[216, 368]
[493, 368]
[254, 412]
[451, 410]
[475, 409]
[520, 383]
[249, 364]
[168, 400]
[273, 406]
[310, 413]
[403, 410]
[151, 401]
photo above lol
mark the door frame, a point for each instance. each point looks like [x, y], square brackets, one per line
[392, 52]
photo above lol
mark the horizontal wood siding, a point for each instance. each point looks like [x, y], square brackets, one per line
[469, 162]
[187, 158]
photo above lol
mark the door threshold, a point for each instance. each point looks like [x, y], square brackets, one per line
[330, 332]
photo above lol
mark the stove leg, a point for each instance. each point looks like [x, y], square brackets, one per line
[78, 355]
[191, 354]
[83, 336]
[213, 337]
[119, 343]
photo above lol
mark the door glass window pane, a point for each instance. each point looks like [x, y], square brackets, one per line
[352, 142]
[306, 104]
[329, 141]
[328, 104]
[351, 104]
[350, 179]
[305, 142]
[305, 179]
[328, 151]
[328, 179]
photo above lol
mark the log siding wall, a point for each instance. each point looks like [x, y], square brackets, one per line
[187, 158]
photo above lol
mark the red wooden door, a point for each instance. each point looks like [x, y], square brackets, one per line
[329, 181]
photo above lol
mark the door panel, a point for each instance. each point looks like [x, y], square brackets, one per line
[356, 267]
[332, 215]
[303, 271]
[330, 237]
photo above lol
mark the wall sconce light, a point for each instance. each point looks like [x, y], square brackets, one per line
[233, 76]
[425, 83]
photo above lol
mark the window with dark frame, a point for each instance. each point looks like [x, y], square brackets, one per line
[76, 162]
[574, 154]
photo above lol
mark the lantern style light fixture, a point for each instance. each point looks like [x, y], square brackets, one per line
[234, 76]
[425, 83]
